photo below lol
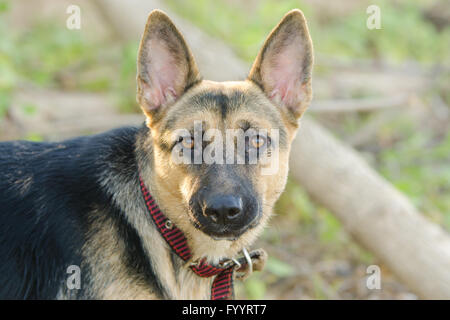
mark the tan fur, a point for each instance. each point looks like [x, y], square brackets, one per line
[174, 184]
[280, 37]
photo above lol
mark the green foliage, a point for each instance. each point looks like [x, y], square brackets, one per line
[127, 78]
[4, 6]
[296, 205]
[29, 108]
[255, 287]
[7, 72]
[36, 137]
[45, 50]
[345, 35]
[401, 24]
[5, 101]
[419, 167]
[330, 228]
[51, 56]
[46, 55]
[243, 28]
[318, 286]
[279, 268]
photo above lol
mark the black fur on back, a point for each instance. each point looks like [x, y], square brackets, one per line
[46, 191]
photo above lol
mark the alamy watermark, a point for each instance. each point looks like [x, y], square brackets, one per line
[74, 20]
[373, 281]
[234, 146]
[374, 18]
[74, 280]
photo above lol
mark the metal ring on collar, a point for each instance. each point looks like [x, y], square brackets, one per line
[236, 262]
[249, 262]
[169, 224]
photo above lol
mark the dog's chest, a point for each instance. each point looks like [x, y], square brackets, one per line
[192, 287]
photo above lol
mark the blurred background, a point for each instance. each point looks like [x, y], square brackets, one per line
[383, 92]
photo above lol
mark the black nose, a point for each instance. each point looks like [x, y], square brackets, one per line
[223, 208]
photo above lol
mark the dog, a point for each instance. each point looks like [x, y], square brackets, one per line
[126, 214]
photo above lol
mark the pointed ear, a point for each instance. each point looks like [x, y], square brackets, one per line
[165, 66]
[283, 67]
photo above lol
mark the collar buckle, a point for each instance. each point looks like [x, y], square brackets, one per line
[248, 266]
[243, 264]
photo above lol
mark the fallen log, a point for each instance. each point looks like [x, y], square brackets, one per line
[363, 104]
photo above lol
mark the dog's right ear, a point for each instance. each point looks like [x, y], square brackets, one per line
[165, 66]
[283, 67]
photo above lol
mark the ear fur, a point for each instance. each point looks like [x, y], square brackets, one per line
[165, 66]
[283, 67]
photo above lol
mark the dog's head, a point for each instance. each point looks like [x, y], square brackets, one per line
[220, 149]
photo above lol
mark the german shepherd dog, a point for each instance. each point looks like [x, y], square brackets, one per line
[95, 203]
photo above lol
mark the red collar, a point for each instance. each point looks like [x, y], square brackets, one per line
[222, 287]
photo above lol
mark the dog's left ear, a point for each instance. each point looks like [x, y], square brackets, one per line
[283, 67]
[165, 66]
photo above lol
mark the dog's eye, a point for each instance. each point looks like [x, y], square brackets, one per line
[257, 141]
[187, 142]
